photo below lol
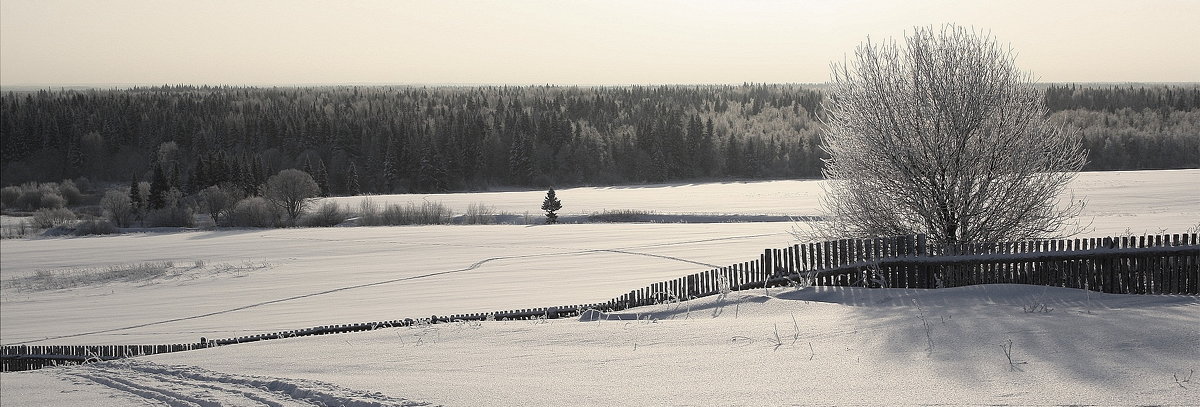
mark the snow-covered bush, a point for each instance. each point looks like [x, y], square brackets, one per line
[327, 214]
[253, 212]
[46, 218]
[428, 213]
[479, 214]
[117, 207]
[32, 196]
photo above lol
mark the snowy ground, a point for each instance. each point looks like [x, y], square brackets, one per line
[822, 346]
[864, 350]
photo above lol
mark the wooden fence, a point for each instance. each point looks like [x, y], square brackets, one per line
[1158, 264]
[29, 357]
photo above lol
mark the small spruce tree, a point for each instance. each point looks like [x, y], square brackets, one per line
[135, 196]
[158, 186]
[551, 204]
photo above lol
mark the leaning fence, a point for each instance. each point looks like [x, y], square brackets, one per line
[1158, 264]
[1152, 264]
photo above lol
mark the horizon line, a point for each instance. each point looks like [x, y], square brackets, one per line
[131, 85]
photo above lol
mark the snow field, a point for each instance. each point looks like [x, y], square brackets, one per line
[868, 347]
[845, 346]
[420, 271]
[321, 276]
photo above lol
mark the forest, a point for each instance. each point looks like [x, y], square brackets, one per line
[429, 139]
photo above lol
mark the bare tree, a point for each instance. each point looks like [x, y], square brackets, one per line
[291, 191]
[943, 135]
[117, 207]
[216, 200]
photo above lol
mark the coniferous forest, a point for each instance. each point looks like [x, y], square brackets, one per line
[430, 139]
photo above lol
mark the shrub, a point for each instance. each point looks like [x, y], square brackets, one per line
[15, 230]
[68, 191]
[368, 213]
[479, 214]
[9, 196]
[174, 216]
[253, 212]
[428, 213]
[117, 207]
[95, 227]
[216, 200]
[620, 215]
[46, 218]
[51, 200]
[327, 214]
[31, 195]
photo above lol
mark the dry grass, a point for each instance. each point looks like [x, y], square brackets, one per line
[45, 280]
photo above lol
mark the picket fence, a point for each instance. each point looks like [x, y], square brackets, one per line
[30, 357]
[1158, 264]
[1153, 264]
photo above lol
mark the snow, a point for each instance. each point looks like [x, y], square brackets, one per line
[835, 346]
[868, 346]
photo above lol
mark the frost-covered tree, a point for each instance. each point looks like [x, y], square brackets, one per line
[291, 191]
[551, 205]
[216, 200]
[117, 207]
[943, 135]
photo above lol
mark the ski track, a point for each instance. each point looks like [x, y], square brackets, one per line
[194, 386]
[473, 266]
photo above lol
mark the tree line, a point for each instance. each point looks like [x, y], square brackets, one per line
[429, 139]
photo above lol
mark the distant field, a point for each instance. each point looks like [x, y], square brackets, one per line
[1150, 199]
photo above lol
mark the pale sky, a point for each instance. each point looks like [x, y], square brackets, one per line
[69, 42]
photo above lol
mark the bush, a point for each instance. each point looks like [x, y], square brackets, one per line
[216, 200]
[479, 214]
[291, 190]
[46, 218]
[9, 196]
[52, 200]
[368, 213]
[117, 207]
[95, 227]
[327, 214]
[620, 215]
[428, 213]
[16, 230]
[171, 217]
[253, 212]
[32, 196]
[68, 191]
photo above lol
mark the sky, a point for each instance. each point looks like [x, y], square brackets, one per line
[612, 42]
